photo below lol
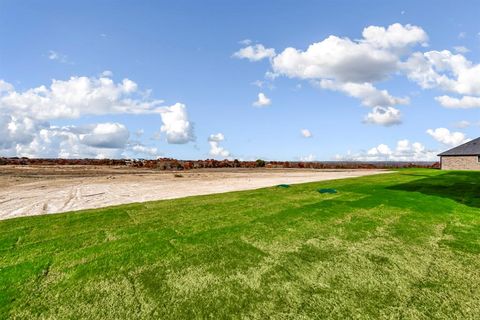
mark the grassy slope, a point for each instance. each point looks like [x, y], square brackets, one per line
[403, 245]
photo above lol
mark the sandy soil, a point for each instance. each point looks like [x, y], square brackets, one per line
[34, 190]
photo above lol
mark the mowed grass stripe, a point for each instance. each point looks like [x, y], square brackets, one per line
[398, 245]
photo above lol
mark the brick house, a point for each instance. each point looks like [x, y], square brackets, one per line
[463, 157]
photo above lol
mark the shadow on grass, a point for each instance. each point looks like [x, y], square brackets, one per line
[461, 186]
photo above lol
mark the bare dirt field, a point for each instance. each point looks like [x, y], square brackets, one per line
[34, 190]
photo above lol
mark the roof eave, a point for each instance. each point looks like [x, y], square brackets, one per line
[458, 155]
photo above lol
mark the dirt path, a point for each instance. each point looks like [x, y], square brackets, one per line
[26, 191]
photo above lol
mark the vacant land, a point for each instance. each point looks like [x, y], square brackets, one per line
[33, 190]
[402, 245]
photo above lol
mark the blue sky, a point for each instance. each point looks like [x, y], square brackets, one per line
[183, 52]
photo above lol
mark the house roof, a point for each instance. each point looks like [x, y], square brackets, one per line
[471, 148]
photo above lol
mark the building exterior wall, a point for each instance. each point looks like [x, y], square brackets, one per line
[460, 163]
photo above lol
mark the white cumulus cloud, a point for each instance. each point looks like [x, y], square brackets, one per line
[107, 73]
[464, 102]
[395, 36]
[366, 92]
[5, 86]
[262, 100]
[25, 116]
[445, 70]
[255, 53]
[76, 97]
[306, 133]
[140, 149]
[403, 151]
[448, 72]
[176, 125]
[353, 66]
[366, 60]
[18, 130]
[101, 140]
[388, 116]
[216, 150]
[447, 137]
[106, 135]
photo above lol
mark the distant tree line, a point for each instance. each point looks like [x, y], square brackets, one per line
[174, 164]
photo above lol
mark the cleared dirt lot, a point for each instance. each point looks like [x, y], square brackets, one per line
[34, 190]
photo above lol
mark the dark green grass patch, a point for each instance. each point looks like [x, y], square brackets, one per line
[401, 245]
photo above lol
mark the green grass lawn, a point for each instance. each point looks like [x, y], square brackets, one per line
[404, 245]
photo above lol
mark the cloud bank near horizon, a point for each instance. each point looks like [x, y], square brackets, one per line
[26, 116]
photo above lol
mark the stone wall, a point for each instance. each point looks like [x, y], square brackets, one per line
[460, 163]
